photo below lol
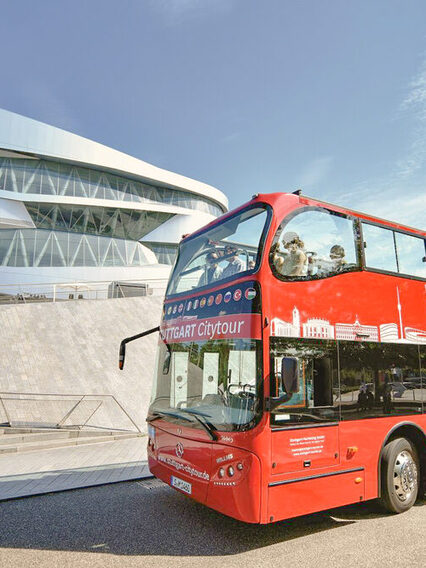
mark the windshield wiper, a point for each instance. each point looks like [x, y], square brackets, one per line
[198, 412]
[199, 416]
[161, 413]
[202, 419]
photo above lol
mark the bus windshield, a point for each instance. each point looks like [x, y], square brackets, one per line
[216, 380]
[221, 253]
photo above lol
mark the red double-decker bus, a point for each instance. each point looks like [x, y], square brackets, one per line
[290, 368]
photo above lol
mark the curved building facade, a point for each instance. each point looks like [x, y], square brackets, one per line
[73, 209]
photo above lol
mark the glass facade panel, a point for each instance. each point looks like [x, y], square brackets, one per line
[53, 178]
[40, 247]
[117, 223]
[166, 253]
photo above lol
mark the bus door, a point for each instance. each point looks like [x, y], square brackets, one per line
[305, 432]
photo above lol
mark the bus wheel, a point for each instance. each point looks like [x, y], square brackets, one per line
[400, 475]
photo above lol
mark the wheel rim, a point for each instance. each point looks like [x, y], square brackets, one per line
[404, 476]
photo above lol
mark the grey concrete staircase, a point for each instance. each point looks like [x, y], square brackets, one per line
[14, 440]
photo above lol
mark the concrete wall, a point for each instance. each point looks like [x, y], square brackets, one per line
[72, 348]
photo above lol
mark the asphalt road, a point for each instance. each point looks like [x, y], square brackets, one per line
[146, 524]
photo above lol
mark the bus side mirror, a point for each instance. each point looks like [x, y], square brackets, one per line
[122, 356]
[290, 375]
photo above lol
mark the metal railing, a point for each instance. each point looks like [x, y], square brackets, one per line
[54, 410]
[25, 293]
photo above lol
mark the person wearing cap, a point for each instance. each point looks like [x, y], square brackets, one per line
[212, 270]
[235, 265]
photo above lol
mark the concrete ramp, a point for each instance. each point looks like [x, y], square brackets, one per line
[71, 348]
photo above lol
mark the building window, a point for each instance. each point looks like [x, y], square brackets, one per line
[39, 247]
[54, 178]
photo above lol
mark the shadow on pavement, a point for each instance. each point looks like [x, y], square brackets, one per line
[139, 518]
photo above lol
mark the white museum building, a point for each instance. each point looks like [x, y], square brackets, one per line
[75, 210]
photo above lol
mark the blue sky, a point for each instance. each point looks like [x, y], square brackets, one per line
[249, 96]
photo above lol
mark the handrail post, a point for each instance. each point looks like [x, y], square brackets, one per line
[127, 414]
[68, 414]
[96, 409]
[5, 411]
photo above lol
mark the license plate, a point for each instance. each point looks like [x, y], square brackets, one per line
[181, 484]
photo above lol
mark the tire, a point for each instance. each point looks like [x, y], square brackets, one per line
[400, 476]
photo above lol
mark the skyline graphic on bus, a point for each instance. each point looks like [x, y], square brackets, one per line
[318, 328]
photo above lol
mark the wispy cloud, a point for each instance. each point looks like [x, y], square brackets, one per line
[400, 193]
[315, 171]
[176, 12]
[414, 108]
[416, 97]
[233, 136]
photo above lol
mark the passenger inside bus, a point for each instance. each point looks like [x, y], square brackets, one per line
[292, 261]
[212, 270]
[235, 264]
[335, 262]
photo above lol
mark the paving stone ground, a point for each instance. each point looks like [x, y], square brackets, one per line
[47, 471]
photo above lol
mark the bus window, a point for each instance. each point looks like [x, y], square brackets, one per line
[314, 244]
[411, 252]
[379, 379]
[220, 253]
[379, 248]
[219, 378]
[420, 382]
[316, 398]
